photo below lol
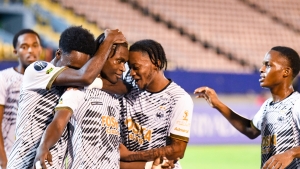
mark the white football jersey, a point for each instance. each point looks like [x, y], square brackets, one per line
[96, 134]
[10, 84]
[38, 99]
[279, 126]
[149, 119]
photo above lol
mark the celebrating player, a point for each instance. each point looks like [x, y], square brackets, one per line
[27, 47]
[278, 119]
[156, 114]
[40, 91]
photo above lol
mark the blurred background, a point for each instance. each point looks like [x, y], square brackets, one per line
[215, 43]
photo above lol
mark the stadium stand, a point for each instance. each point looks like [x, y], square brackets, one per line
[182, 53]
[230, 25]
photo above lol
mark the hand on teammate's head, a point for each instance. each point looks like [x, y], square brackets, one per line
[116, 36]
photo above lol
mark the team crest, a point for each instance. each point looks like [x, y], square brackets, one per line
[40, 65]
[159, 116]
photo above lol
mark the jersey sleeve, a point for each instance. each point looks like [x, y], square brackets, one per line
[40, 75]
[70, 100]
[3, 90]
[296, 112]
[182, 119]
[258, 117]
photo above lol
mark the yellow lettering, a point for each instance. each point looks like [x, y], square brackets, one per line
[130, 136]
[148, 135]
[103, 120]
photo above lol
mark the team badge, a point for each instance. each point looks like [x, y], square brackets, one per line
[40, 65]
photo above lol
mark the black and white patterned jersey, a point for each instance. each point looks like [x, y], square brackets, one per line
[96, 135]
[279, 124]
[10, 83]
[149, 119]
[38, 99]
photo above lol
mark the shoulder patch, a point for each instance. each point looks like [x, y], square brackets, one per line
[40, 65]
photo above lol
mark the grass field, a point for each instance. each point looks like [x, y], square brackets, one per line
[222, 157]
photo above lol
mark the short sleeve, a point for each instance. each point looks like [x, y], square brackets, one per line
[296, 112]
[182, 119]
[40, 75]
[258, 117]
[71, 99]
[3, 90]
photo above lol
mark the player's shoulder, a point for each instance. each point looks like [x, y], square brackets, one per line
[8, 71]
[175, 90]
[38, 66]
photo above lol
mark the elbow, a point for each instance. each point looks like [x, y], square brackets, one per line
[176, 154]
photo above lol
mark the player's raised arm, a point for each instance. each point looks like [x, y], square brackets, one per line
[241, 123]
[87, 73]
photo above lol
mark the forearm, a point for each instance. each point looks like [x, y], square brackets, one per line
[173, 151]
[294, 152]
[52, 134]
[241, 123]
[130, 165]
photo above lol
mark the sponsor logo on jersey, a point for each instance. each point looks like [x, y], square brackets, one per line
[181, 130]
[111, 124]
[40, 65]
[60, 101]
[49, 70]
[139, 133]
[267, 143]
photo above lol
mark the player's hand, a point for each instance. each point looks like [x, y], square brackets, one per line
[279, 161]
[42, 155]
[165, 163]
[3, 162]
[208, 94]
[116, 36]
[124, 152]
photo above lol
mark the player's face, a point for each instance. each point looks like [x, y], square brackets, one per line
[272, 72]
[115, 65]
[74, 60]
[28, 49]
[141, 69]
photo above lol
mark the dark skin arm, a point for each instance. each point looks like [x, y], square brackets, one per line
[241, 123]
[51, 135]
[137, 159]
[282, 160]
[3, 158]
[86, 75]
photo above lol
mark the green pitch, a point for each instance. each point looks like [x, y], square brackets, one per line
[222, 157]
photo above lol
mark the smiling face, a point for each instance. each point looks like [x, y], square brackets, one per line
[115, 65]
[273, 70]
[28, 49]
[141, 69]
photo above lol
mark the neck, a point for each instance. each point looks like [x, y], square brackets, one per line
[159, 82]
[19, 69]
[280, 94]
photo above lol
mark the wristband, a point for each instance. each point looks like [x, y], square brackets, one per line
[38, 165]
[148, 165]
[97, 83]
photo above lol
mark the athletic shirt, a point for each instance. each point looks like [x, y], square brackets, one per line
[36, 106]
[10, 83]
[96, 133]
[148, 119]
[279, 124]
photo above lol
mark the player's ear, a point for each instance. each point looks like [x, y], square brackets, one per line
[58, 54]
[287, 71]
[15, 51]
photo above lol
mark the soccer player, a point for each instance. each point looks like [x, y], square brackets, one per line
[27, 47]
[40, 90]
[156, 114]
[278, 119]
[94, 116]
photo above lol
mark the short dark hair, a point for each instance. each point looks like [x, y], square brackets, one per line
[21, 32]
[292, 56]
[153, 49]
[78, 39]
